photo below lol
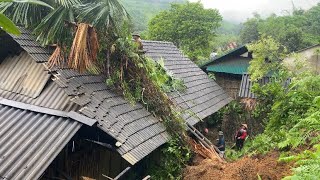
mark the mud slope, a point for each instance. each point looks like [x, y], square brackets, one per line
[247, 168]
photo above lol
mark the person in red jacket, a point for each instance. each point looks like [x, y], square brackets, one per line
[241, 136]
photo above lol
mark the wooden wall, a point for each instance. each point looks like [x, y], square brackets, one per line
[81, 158]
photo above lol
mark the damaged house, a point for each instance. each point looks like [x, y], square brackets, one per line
[58, 123]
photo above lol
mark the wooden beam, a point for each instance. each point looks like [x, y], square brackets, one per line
[122, 173]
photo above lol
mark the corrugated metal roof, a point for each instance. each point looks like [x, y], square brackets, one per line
[203, 96]
[233, 66]
[246, 85]
[139, 132]
[52, 97]
[30, 141]
[48, 94]
[18, 74]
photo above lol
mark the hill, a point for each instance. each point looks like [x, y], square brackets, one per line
[142, 11]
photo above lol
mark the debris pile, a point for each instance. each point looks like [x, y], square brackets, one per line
[204, 152]
[247, 168]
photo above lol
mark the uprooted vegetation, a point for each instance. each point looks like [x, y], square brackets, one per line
[289, 146]
[140, 79]
[293, 120]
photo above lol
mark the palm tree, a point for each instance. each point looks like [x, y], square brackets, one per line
[72, 25]
[7, 25]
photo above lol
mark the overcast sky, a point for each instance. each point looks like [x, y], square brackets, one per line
[240, 10]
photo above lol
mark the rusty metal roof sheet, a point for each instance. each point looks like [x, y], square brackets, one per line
[18, 74]
[139, 132]
[30, 141]
[203, 96]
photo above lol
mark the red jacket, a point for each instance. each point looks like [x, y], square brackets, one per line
[242, 134]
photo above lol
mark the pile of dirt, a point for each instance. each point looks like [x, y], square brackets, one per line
[247, 168]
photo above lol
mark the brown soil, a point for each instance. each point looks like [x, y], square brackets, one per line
[247, 168]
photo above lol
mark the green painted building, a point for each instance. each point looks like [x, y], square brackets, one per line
[229, 68]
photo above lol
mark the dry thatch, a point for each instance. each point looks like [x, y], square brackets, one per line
[85, 47]
[57, 58]
[205, 152]
[249, 103]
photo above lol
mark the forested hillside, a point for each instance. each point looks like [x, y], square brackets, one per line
[295, 31]
[142, 11]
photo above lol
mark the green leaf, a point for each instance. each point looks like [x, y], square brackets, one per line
[7, 25]
[33, 2]
[36, 2]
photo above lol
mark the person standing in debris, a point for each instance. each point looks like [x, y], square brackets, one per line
[221, 144]
[241, 136]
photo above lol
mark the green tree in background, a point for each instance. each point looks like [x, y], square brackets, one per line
[267, 57]
[249, 31]
[295, 31]
[142, 11]
[189, 26]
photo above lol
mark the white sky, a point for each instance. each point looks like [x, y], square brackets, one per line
[240, 10]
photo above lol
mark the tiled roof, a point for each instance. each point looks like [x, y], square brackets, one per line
[203, 96]
[138, 130]
[135, 128]
[29, 141]
[28, 43]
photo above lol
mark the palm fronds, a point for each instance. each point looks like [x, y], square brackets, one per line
[57, 58]
[103, 14]
[52, 28]
[67, 3]
[85, 46]
[27, 14]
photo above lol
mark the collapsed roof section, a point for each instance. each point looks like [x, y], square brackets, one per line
[203, 96]
[137, 131]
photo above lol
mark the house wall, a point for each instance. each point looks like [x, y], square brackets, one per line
[90, 160]
[81, 158]
[312, 57]
[230, 83]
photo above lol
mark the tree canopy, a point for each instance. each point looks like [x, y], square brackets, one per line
[142, 11]
[295, 31]
[189, 26]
